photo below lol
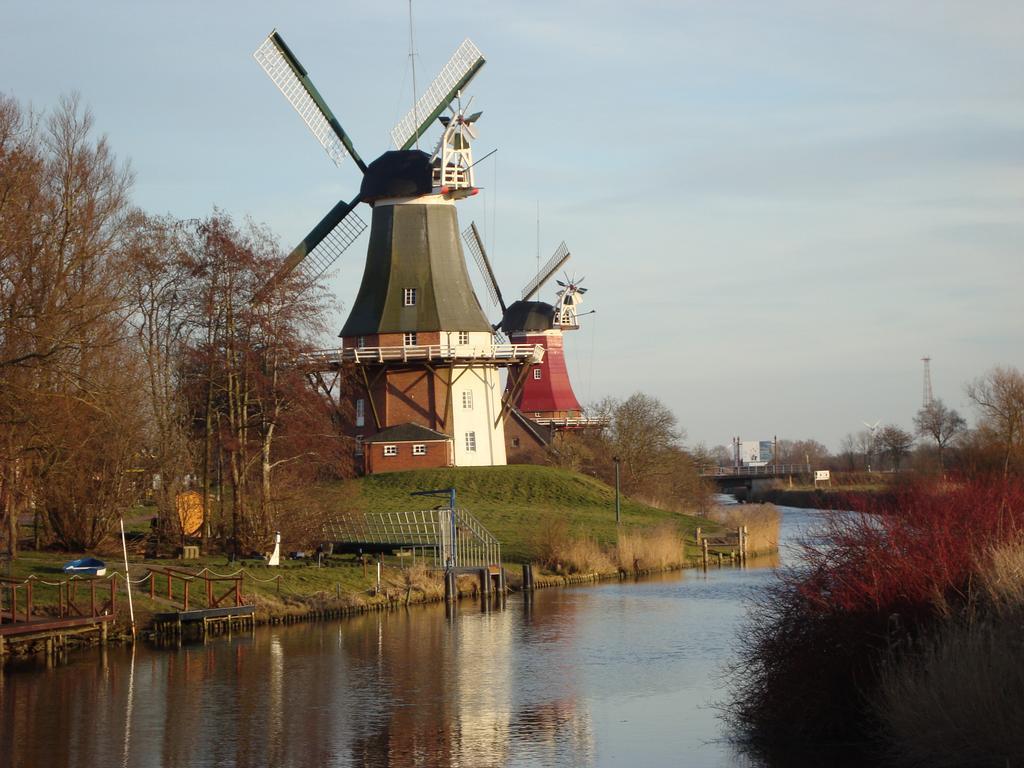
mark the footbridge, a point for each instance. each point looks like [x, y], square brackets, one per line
[745, 477]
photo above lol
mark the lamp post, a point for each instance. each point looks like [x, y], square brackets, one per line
[618, 502]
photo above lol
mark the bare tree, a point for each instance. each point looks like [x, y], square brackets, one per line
[895, 443]
[848, 452]
[941, 424]
[64, 212]
[999, 397]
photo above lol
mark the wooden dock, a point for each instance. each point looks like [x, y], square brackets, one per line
[22, 621]
[215, 618]
[205, 621]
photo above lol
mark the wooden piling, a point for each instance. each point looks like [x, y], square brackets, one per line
[449, 586]
[704, 551]
[527, 577]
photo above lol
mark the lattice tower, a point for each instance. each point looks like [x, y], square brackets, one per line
[927, 390]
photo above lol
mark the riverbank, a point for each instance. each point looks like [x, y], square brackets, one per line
[899, 636]
[336, 587]
[823, 498]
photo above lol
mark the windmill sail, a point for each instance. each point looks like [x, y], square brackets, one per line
[559, 258]
[324, 244]
[293, 81]
[476, 246]
[460, 69]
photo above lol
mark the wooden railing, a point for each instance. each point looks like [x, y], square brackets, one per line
[496, 353]
[20, 606]
[186, 579]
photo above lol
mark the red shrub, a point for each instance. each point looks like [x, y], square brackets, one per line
[911, 550]
[872, 580]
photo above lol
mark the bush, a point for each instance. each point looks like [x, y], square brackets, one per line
[873, 581]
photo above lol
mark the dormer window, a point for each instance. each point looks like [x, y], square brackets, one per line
[409, 297]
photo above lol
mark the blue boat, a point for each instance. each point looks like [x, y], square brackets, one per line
[86, 566]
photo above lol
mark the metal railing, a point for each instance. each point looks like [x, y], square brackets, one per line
[496, 353]
[444, 535]
[766, 470]
[570, 421]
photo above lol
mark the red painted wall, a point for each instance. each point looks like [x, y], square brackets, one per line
[552, 393]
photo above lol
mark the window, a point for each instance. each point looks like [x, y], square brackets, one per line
[471, 442]
[361, 342]
[515, 442]
[419, 450]
[360, 412]
[409, 339]
[463, 337]
[359, 445]
[409, 297]
[536, 374]
[390, 450]
[467, 399]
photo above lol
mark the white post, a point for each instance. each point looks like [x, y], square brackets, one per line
[128, 579]
[378, 576]
[275, 556]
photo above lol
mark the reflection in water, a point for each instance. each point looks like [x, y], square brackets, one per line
[607, 675]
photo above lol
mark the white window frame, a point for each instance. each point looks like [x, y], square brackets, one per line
[409, 297]
[463, 338]
[360, 412]
[467, 399]
[409, 339]
[361, 342]
[536, 374]
[419, 449]
[390, 450]
[471, 442]
[359, 445]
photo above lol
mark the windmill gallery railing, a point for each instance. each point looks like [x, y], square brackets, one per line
[443, 535]
[496, 353]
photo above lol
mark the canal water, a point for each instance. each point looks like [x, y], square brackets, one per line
[619, 674]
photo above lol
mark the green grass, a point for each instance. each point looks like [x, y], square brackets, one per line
[513, 502]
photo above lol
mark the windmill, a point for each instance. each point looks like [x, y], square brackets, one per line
[416, 332]
[545, 395]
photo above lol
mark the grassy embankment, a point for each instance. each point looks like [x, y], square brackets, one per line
[539, 514]
[901, 635]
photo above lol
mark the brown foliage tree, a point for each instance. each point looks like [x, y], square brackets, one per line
[64, 214]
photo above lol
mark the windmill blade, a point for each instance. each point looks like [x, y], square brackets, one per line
[293, 81]
[323, 245]
[554, 263]
[476, 246]
[460, 69]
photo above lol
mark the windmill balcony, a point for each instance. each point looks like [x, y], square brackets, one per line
[494, 354]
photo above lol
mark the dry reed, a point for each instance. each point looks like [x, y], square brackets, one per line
[960, 701]
[656, 549]
[762, 521]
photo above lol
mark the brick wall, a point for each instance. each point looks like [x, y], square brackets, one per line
[438, 454]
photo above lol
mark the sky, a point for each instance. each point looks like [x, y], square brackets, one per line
[779, 208]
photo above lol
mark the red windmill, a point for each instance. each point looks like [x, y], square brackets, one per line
[545, 394]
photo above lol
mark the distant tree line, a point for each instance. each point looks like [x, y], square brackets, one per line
[940, 439]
